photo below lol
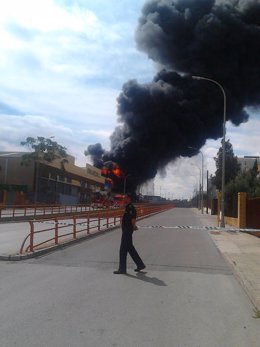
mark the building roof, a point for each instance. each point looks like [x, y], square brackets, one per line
[12, 154]
[76, 170]
[89, 173]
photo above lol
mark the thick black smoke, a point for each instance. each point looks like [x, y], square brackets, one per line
[96, 152]
[219, 40]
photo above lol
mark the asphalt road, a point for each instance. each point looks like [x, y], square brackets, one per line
[187, 297]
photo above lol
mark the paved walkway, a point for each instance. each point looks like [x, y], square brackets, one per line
[241, 250]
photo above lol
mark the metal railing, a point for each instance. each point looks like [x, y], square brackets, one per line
[13, 211]
[66, 228]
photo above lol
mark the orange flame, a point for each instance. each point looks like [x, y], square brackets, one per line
[117, 172]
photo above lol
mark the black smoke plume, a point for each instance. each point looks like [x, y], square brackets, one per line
[96, 152]
[159, 121]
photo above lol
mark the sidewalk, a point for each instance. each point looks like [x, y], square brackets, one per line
[242, 252]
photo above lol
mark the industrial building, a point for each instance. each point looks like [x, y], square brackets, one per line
[247, 163]
[46, 182]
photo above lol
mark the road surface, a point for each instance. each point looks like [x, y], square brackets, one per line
[188, 296]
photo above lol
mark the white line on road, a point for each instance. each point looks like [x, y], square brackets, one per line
[195, 227]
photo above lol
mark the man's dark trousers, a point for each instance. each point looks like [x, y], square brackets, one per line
[127, 246]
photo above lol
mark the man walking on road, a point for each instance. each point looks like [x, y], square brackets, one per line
[128, 227]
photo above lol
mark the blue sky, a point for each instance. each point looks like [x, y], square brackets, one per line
[62, 67]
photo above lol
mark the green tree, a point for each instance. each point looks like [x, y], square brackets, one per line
[254, 171]
[43, 149]
[247, 182]
[232, 167]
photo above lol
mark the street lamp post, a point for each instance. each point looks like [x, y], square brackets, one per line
[222, 222]
[202, 166]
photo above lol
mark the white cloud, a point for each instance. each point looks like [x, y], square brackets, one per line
[47, 16]
[245, 138]
[98, 133]
[60, 67]
[15, 129]
[183, 176]
[181, 179]
[63, 67]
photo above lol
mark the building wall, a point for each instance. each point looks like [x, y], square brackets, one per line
[247, 163]
[12, 172]
[72, 185]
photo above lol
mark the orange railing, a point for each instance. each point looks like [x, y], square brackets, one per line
[66, 228]
[39, 210]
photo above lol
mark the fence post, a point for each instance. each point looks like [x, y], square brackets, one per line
[74, 227]
[31, 235]
[88, 232]
[219, 208]
[98, 223]
[241, 210]
[56, 236]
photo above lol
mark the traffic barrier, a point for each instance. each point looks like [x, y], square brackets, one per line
[13, 211]
[84, 224]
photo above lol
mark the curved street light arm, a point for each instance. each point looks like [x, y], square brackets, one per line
[222, 222]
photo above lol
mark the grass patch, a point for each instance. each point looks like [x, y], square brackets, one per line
[257, 314]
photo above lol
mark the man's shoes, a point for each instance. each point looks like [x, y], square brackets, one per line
[120, 272]
[139, 268]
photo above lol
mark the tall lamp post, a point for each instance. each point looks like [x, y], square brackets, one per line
[202, 166]
[222, 222]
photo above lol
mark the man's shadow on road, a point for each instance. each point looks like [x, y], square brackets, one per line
[142, 277]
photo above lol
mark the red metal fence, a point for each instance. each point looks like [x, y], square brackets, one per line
[66, 228]
[42, 210]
